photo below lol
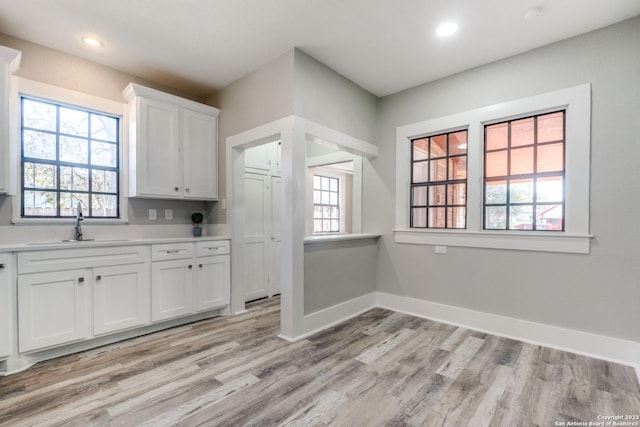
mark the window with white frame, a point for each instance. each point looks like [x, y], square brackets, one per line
[527, 170]
[69, 156]
[326, 204]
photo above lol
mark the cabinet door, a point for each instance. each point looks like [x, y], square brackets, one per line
[256, 243]
[157, 151]
[200, 151]
[53, 308]
[212, 282]
[121, 297]
[6, 306]
[171, 289]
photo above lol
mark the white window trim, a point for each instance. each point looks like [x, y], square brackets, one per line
[576, 101]
[341, 177]
[24, 87]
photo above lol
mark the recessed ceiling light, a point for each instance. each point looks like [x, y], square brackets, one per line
[92, 41]
[447, 29]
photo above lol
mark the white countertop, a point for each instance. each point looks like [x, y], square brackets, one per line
[38, 246]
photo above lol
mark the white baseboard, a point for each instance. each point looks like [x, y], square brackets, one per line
[598, 346]
[331, 316]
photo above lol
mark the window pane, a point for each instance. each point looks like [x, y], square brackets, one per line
[317, 182]
[103, 154]
[335, 225]
[437, 217]
[104, 128]
[39, 145]
[325, 198]
[73, 150]
[326, 225]
[317, 211]
[317, 226]
[458, 168]
[419, 196]
[550, 189]
[104, 181]
[456, 218]
[74, 122]
[549, 217]
[69, 203]
[40, 203]
[496, 164]
[104, 205]
[419, 217]
[39, 115]
[333, 184]
[317, 196]
[521, 217]
[326, 212]
[41, 176]
[551, 127]
[420, 149]
[522, 132]
[521, 191]
[438, 170]
[420, 172]
[333, 198]
[325, 183]
[497, 136]
[458, 143]
[550, 157]
[335, 213]
[457, 194]
[437, 195]
[495, 218]
[438, 146]
[522, 161]
[495, 192]
[74, 178]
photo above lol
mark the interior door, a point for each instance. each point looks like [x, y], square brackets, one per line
[257, 210]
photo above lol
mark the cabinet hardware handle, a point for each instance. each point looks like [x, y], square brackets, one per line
[186, 189]
[98, 277]
[81, 279]
[177, 188]
[191, 266]
[175, 251]
[200, 265]
[1, 266]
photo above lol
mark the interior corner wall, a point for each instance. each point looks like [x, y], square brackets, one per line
[261, 97]
[598, 292]
[325, 97]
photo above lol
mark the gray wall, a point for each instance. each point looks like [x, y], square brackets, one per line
[599, 292]
[338, 272]
[326, 97]
[258, 98]
[56, 68]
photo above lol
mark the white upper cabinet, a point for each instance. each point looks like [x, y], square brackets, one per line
[173, 146]
[9, 63]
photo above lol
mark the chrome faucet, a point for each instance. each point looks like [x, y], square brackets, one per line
[79, 218]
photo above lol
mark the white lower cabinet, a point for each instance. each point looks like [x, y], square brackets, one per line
[53, 308]
[188, 278]
[120, 297]
[6, 307]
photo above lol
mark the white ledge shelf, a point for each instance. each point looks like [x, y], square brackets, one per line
[334, 238]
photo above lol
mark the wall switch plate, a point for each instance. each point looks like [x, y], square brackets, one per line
[168, 214]
[440, 250]
[153, 214]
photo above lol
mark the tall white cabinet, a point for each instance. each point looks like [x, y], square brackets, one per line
[6, 307]
[262, 243]
[173, 146]
[9, 62]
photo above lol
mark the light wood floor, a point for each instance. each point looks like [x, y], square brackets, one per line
[379, 369]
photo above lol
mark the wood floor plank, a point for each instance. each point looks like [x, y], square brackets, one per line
[378, 369]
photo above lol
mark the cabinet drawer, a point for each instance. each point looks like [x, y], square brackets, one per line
[171, 251]
[69, 259]
[217, 247]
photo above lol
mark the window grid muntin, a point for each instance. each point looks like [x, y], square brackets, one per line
[332, 219]
[58, 164]
[434, 183]
[534, 176]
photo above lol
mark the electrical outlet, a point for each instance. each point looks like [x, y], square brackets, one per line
[168, 214]
[153, 214]
[442, 250]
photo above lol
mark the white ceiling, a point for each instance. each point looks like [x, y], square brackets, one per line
[384, 46]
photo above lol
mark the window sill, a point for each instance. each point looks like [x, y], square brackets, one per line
[521, 241]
